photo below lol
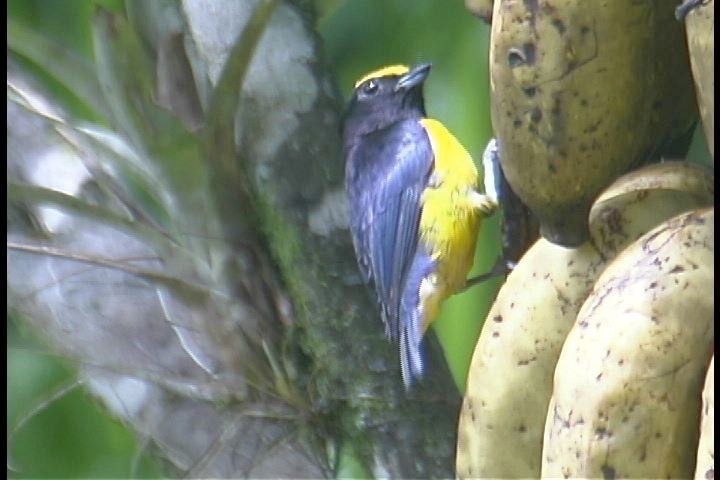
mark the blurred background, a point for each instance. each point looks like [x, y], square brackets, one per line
[73, 436]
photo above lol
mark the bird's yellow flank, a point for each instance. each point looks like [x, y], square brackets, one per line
[451, 216]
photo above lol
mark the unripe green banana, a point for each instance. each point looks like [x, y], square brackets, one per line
[705, 467]
[580, 94]
[700, 26]
[510, 379]
[629, 377]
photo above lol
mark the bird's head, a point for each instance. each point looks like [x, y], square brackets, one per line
[383, 97]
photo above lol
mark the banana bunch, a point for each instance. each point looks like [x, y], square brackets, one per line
[510, 382]
[700, 26]
[580, 95]
[629, 378]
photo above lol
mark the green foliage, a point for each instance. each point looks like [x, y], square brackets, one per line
[349, 466]
[72, 437]
[54, 42]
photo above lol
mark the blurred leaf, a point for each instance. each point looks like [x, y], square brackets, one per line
[349, 466]
[124, 173]
[190, 291]
[160, 140]
[65, 23]
[112, 162]
[124, 73]
[136, 281]
[231, 186]
[161, 26]
[35, 195]
[70, 69]
[61, 432]
[154, 20]
[224, 101]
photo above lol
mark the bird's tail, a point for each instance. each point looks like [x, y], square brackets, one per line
[411, 361]
[411, 321]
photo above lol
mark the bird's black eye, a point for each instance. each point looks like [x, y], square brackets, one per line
[370, 87]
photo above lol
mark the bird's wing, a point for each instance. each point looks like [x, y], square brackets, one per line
[387, 235]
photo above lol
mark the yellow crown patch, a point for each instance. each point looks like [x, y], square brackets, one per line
[392, 70]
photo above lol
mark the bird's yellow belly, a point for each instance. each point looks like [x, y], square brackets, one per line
[449, 227]
[450, 219]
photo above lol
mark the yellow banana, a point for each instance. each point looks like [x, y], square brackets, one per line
[700, 26]
[510, 379]
[580, 94]
[705, 466]
[628, 380]
[641, 199]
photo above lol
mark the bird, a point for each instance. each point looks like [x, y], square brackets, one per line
[415, 205]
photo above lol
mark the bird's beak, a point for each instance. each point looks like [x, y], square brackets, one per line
[414, 77]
